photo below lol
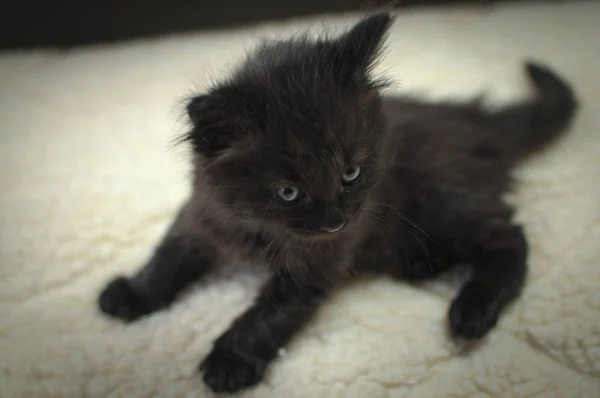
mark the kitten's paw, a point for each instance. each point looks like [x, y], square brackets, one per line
[473, 312]
[119, 300]
[226, 371]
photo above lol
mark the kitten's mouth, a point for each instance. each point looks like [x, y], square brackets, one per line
[322, 232]
[333, 229]
[325, 229]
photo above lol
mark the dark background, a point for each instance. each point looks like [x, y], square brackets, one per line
[66, 23]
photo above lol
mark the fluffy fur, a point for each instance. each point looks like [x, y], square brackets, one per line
[297, 120]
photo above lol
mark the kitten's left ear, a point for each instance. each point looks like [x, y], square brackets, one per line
[360, 46]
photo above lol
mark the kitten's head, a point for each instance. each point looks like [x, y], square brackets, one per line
[293, 138]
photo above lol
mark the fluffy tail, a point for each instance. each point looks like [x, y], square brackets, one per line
[530, 126]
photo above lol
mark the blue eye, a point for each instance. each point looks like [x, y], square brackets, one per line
[351, 174]
[289, 194]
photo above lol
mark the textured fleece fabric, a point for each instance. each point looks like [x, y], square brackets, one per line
[90, 176]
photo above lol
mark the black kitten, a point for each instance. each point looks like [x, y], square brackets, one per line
[301, 164]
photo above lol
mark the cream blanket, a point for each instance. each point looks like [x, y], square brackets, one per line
[90, 177]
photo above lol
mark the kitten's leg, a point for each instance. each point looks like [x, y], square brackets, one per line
[241, 355]
[498, 251]
[181, 258]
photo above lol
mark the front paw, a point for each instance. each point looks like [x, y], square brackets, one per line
[120, 300]
[473, 313]
[227, 371]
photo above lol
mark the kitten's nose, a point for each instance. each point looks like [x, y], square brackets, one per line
[333, 220]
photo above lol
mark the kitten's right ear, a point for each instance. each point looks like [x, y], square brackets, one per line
[195, 107]
[210, 133]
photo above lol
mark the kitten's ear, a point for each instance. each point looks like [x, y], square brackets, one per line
[360, 46]
[213, 129]
[196, 106]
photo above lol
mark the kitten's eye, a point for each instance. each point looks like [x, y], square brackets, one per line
[289, 194]
[351, 173]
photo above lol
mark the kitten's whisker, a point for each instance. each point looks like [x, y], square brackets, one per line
[399, 213]
[265, 250]
[381, 223]
[425, 249]
[423, 246]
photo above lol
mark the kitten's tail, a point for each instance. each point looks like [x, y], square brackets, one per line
[532, 125]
